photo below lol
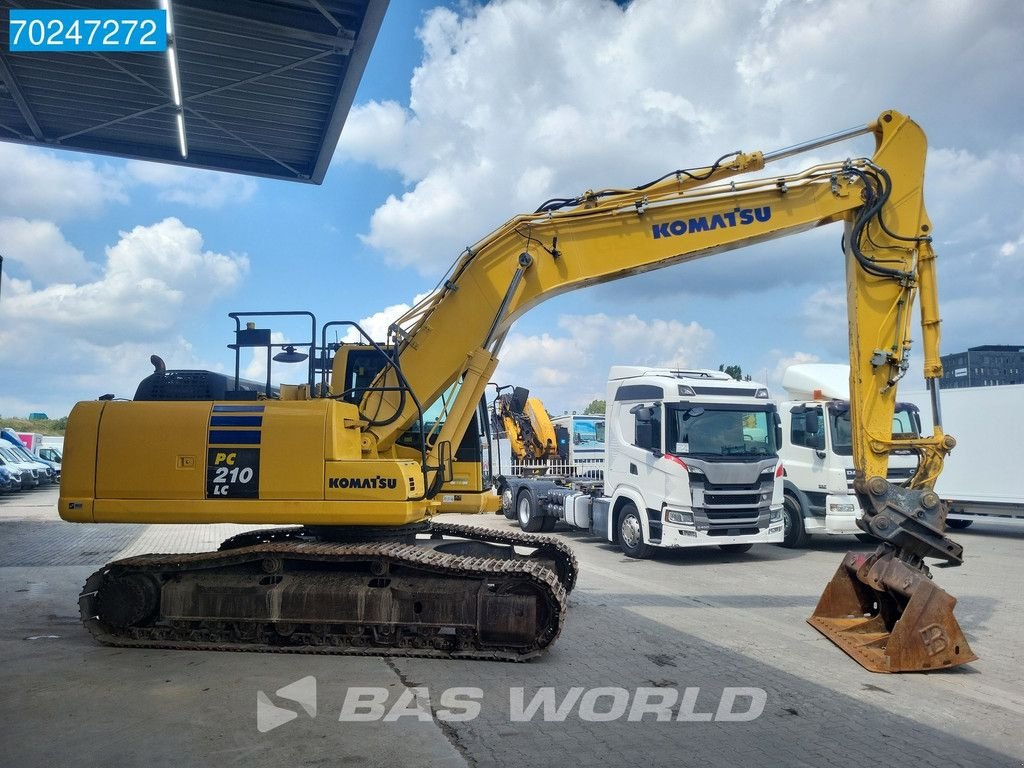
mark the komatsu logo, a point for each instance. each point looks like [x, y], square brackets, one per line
[737, 217]
[362, 482]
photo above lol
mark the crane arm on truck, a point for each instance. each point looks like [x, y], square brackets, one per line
[375, 462]
[526, 423]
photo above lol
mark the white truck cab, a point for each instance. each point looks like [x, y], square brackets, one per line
[691, 459]
[817, 452]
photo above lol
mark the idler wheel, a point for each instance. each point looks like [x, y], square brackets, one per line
[127, 600]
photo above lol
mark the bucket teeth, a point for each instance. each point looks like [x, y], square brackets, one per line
[890, 617]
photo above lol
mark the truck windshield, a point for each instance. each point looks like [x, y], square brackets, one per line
[588, 433]
[11, 456]
[906, 422]
[720, 430]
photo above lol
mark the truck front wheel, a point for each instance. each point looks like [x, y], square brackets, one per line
[529, 517]
[793, 534]
[631, 534]
[508, 506]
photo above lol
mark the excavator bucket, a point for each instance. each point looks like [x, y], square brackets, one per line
[890, 617]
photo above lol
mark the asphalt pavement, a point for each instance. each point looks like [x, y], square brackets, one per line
[690, 658]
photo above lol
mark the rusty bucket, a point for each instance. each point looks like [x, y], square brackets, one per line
[890, 617]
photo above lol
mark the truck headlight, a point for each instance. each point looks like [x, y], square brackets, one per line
[848, 508]
[775, 516]
[683, 518]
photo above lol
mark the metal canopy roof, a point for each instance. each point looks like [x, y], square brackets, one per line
[266, 86]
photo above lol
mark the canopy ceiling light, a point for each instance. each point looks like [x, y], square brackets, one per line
[172, 66]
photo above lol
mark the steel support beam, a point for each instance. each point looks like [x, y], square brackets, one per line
[339, 43]
[19, 99]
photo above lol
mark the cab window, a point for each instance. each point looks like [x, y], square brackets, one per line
[799, 423]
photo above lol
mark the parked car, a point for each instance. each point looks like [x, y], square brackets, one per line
[52, 467]
[47, 470]
[31, 473]
[10, 479]
[50, 454]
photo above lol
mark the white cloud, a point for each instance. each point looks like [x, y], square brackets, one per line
[567, 370]
[496, 123]
[372, 128]
[41, 251]
[782, 361]
[615, 96]
[39, 183]
[194, 187]
[376, 325]
[97, 335]
[824, 315]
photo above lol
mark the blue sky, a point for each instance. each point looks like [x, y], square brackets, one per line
[469, 114]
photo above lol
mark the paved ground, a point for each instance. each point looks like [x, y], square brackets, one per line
[683, 621]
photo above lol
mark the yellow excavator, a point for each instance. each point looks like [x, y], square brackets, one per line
[357, 460]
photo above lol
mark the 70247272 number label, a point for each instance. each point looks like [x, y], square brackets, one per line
[87, 30]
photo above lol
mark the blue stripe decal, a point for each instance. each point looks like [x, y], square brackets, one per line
[238, 409]
[233, 437]
[236, 421]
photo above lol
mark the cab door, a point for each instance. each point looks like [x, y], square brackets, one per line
[807, 465]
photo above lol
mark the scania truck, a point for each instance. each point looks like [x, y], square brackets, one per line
[691, 460]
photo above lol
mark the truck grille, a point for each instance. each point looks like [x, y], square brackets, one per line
[730, 515]
[728, 507]
[733, 531]
[724, 499]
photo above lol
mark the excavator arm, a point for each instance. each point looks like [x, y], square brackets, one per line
[883, 609]
[451, 339]
[449, 342]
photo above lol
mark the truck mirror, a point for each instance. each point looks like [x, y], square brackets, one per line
[643, 414]
[811, 421]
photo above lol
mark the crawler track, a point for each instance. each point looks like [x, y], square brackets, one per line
[289, 591]
[546, 547]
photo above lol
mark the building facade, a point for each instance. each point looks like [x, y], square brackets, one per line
[985, 366]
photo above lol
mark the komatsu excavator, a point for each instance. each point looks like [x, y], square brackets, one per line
[359, 462]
